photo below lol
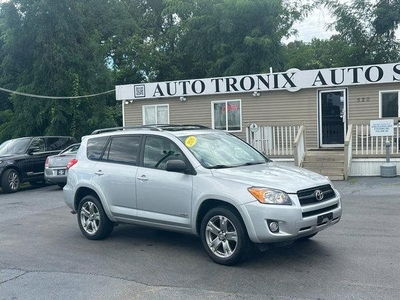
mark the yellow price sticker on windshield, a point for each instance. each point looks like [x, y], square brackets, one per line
[190, 141]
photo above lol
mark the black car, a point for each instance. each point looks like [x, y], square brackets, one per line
[22, 159]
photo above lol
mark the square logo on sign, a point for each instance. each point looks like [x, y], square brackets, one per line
[139, 91]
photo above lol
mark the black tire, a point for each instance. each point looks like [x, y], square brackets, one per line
[93, 221]
[224, 236]
[307, 237]
[11, 181]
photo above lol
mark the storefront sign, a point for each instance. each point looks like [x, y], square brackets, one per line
[381, 127]
[292, 80]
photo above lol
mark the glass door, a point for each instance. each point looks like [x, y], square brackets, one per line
[332, 117]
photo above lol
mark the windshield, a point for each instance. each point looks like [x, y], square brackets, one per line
[222, 150]
[17, 146]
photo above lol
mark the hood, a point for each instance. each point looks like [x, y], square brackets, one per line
[10, 156]
[286, 178]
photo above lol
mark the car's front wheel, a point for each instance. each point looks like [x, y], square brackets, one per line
[10, 182]
[92, 219]
[224, 236]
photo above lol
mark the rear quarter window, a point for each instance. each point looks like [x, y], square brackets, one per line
[95, 147]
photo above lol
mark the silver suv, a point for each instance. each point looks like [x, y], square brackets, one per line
[196, 180]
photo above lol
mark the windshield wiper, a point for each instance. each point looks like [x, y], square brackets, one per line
[235, 166]
[252, 163]
[221, 167]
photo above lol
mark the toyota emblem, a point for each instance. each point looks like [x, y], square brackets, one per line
[319, 195]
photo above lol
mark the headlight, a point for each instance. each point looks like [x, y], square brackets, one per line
[270, 196]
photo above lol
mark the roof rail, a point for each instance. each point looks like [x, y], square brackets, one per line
[177, 127]
[157, 127]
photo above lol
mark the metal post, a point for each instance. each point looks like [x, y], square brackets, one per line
[388, 169]
[387, 144]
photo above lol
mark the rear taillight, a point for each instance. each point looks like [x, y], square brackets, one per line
[71, 163]
[46, 164]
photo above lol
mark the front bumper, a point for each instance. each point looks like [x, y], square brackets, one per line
[295, 221]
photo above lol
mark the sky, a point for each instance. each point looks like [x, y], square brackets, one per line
[315, 25]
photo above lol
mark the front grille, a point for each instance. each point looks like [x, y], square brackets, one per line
[309, 196]
[319, 211]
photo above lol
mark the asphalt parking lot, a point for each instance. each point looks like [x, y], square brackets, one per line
[43, 255]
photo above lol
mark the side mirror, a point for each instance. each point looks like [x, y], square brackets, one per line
[176, 165]
[33, 150]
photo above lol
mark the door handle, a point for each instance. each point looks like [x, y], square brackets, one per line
[99, 173]
[142, 178]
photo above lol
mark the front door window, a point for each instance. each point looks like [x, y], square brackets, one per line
[332, 111]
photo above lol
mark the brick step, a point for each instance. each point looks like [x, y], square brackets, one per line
[323, 164]
[331, 173]
[327, 157]
[335, 177]
[329, 163]
[326, 171]
[324, 152]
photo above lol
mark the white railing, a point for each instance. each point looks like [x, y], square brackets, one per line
[274, 140]
[348, 151]
[299, 147]
[365, 144]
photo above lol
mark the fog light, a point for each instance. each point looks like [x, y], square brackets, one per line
[273, 226]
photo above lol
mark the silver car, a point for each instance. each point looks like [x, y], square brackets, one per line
[55, 167]
[198, 181]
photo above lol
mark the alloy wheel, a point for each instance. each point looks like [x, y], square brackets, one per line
[221, 236]
[13, 180]
[90, 217]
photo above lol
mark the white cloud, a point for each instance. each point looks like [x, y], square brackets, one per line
[315, 26]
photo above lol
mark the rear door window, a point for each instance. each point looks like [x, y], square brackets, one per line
[123, 149]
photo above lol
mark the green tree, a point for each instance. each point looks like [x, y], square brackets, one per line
[54, 48]
[317, 54]
[387, 17]
[176, 39]
[231, 37]
[368, 29]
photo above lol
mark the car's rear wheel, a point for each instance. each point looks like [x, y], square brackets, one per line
[10, 182]
[224, 236]
[92, 219]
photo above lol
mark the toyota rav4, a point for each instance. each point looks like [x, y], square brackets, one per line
[196, 180]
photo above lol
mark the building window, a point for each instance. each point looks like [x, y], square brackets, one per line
[389, 104]
[227, 115]
[155, 114]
